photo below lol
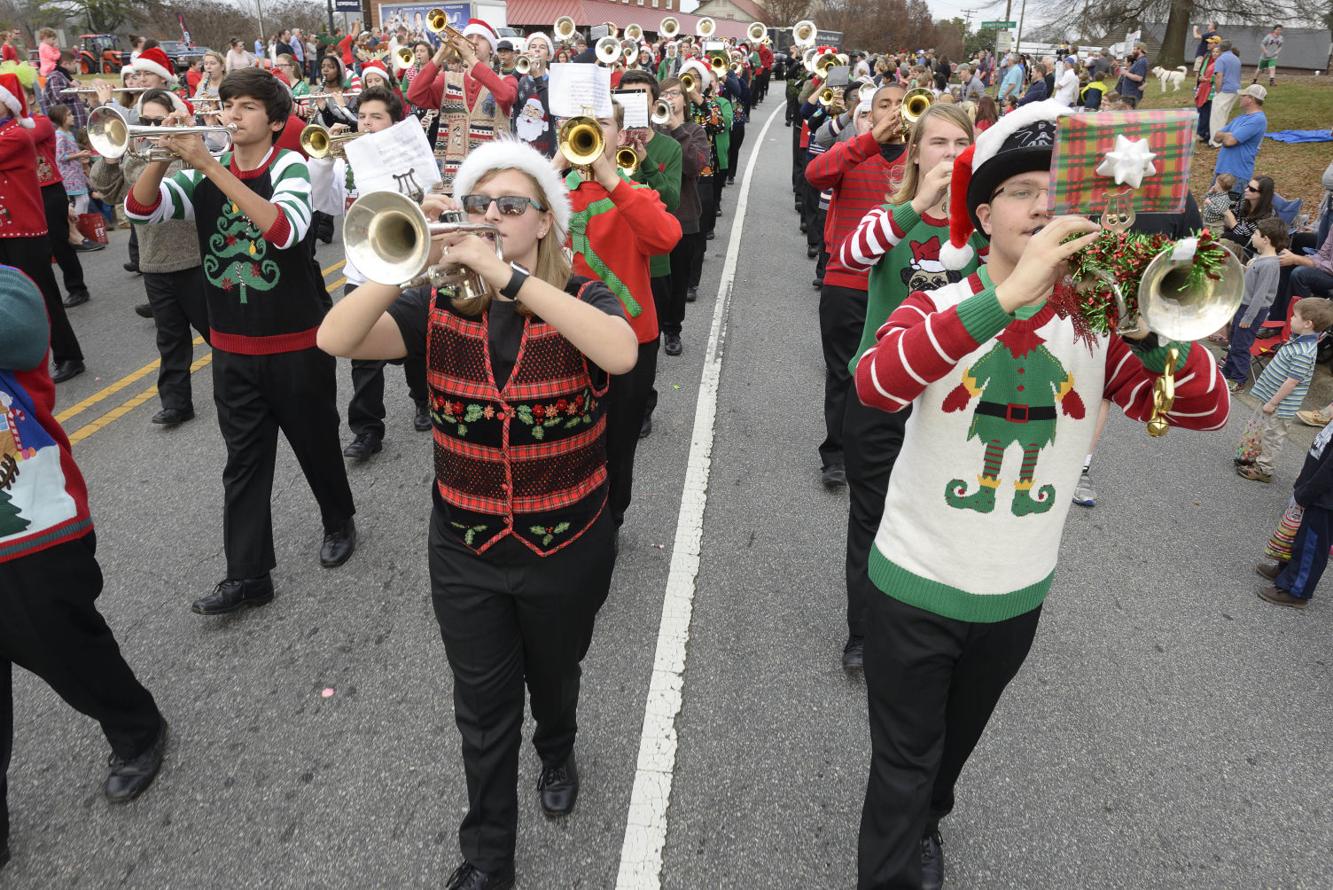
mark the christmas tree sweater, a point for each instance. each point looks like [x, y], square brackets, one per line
[265, 295]
[994, 445]
[901, 249]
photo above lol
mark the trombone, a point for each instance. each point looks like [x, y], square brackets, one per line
[387, 236]
[112, 136]
[706, 28]
[804, 33]
[318, 141]
[669, 27]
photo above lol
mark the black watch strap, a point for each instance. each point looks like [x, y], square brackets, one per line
[516, 280]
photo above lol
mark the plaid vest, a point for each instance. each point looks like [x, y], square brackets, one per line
[528, 460]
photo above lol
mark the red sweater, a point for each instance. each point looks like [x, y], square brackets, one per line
[427, 88]
[22, 214]
[624, 237]
[43, 136]
[859, 177]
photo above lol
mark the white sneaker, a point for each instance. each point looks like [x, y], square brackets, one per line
[1085, 493]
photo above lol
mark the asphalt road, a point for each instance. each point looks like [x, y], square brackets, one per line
[1168, 730]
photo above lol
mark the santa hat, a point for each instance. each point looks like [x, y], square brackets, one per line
[1019, 142]
[154, 61]
[378, 67]
[482, 29]
[538, 35]
[511, 154]
[700, 71]
[12, 97]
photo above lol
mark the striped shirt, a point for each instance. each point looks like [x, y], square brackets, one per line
[1294, 361]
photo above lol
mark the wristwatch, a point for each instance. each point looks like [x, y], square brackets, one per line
[516, 280]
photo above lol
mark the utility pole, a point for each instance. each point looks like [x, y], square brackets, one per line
[329, 4]
[259, 8]
[1022, 11]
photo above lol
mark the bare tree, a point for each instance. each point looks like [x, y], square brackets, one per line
[785, 13]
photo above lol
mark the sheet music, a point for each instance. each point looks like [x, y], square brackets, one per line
[398, 159]
[574, 89]
[635, 104]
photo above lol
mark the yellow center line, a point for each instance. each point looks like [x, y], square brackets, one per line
[334, 285]
[114, 388]
[126, 407]
[334, 268]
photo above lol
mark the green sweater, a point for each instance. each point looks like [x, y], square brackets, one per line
[724, 135]
[660, 171]
[904, 248]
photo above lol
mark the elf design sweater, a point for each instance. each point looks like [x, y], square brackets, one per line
[995, 442]
[858, 173]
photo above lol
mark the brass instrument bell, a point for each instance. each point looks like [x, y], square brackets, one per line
[669, 27]
[387, 237]
[757, 31]
[580, 140]
[803, 33]
[661, 115]
[627, 159]
[318, 141]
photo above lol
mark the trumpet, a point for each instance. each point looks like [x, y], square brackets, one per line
[830, 97]
[804, 33]
[522, 65]
[661, 115]
[718, 66]
[580, 141]
[627, 159]
[669, 27]
[914, 105]
[688, 82]
[437, 21]
[706, 28]
[608, 50]
[387, 236]
[318, 141]
[757, 31]
[112, 136]
[564, 29]
[634, 32]
[403, 59]
[630, 52]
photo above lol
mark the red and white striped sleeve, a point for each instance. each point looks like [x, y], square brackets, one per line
[920, 344]
[1202, 399]
[879, 231]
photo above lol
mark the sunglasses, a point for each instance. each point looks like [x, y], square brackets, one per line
[1250, 188]
[510, 205]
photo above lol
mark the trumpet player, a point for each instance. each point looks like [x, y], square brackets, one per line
[474, 104]
[332, 190]
[531, 119]
[694, 156]
[265, 300]
[616, 229]
[173, 279]
[517, 573]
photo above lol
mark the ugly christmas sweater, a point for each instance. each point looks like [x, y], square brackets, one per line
[614, 235]
[901, 250]
[661, 172]
[995, 442]
[265, 295]
[22, 214]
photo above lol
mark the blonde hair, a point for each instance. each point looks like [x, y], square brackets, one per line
[552, 265]
[952, 114]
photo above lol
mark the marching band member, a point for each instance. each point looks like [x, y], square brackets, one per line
[695, 153]
[334, 78]
[531, 118]
[518, 379]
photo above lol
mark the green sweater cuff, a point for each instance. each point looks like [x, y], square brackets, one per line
[982, 315]
[905, 217]
[1155, 359]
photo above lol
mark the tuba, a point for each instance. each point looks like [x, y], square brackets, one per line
[608, 50]
[669, 27]
[112, 136]
[803, 33]
[757, 31]
[705, 28]
[318, 142]
[387, 236]
[580, 140]
[634, 32]
[564, 29]
[824, 63]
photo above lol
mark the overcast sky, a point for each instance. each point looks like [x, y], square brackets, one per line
[989, 10]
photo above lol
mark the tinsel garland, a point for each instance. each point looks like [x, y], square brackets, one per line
[1085, 295]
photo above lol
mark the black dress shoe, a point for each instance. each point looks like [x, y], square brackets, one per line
[130, 778]
[671, 344]
[691, 294]
[710, 236]
[338, 545]
[558, 788]
[833, 476]
[468, 877]
[66, 371]
[77, 298]
[173, 416]
[932, 861]
[4, 855]
[421, 420]
[131, 267]
[366, 443]
[717, 211]
[646, 428]
[812, 252]
[804, 227]
[88, 246]
[817, 283]
[853, 655]
[234, 593]
[143, 310]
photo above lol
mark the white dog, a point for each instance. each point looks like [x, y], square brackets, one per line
[1175, 77]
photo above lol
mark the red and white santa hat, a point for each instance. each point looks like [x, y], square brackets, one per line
[154, 61]
[508, 153]
[700, 71]
[12, 97]
[482, 29]
[378, 67]
[1019, 142]
[538, 35]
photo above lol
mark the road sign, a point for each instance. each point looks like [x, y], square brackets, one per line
[1004, 41]
[998, 26]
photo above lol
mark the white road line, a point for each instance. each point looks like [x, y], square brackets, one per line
[646, 825]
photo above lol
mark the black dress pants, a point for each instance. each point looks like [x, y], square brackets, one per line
[56, 204]
[931, 684]
[626, 402]
[178, 304]
[134, 246]
[257, 395]
[734, 150]
[510, 618]
[32, 256]
[842, 315]
[707, 208]
[49, 624]
[683, 256]
[366, 412]
[871, 440]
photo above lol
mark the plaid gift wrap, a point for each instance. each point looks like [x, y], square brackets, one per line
[1083, 141]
